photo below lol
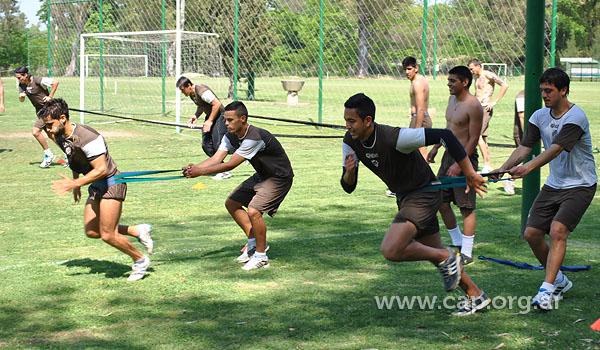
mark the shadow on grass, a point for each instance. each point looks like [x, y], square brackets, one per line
[108, 268]
[2, 150]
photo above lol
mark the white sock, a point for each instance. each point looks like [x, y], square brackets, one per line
[48, 152]
[455, 235]
[467, 245]
[548, 286]
[559, 277]
[260, 255]
[251, 243]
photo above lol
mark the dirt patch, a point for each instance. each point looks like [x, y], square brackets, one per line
[106, 134]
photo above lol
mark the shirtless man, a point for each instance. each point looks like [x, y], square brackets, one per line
[464, 116]
[485, 81]
[419, 97]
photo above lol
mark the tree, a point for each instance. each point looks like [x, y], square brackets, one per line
[13, 36]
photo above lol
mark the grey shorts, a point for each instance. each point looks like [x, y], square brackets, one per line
[457, 195]
[262, 195]
[427, 123]
[100, 190]
[565, 206]
[421, 209]
[39, 123]
[487, 116]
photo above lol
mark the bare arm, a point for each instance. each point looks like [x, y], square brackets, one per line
[544, 158]
[213, 165]
[421, 89]
[475, 122]
[515, 158]
[214, 113]
[99, 171]
[53, 88]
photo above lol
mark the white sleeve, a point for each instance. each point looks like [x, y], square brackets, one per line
[410, 139]
[208, 96]
[47, 82]
[225, 145]
[348, 151]
[95, 148]
[249, 148]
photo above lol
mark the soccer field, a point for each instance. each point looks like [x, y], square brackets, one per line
[327, 279]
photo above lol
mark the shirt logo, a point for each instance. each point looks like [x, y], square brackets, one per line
[375, 162]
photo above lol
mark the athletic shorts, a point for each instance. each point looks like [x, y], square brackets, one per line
[421, 209]
[565, 206]
[262, 195]
[427, 123]
[39, 123]
[486, 121]
[100, 190]
[457, 195]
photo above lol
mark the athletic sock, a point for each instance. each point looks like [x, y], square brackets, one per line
[260, 255]
[559, 277]
[548, 286]
[251, 243]
[455, 235]
[48, 152]
[467, 245]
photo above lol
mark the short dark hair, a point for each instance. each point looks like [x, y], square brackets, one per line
[463, 73]
[183, 81]
[409, 61]
[22, 70]
[239, 108]
[54, 108]
[363, 104]
[475, 62]
[556, 77]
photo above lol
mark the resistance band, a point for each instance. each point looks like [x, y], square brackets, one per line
[526, 266]
[138, 176]
[445, 182]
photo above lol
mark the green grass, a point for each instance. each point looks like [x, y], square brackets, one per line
[62, 290]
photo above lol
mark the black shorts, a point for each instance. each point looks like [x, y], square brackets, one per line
[420, 208]
[457, 195]
[262, 195]
[565, 206]
[101, 190]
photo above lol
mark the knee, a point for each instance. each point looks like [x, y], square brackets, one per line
[92, 234]
[36, 132]
[532, 236]
[254, 214]
[559, 234]
[390, 252]
[107, 236]
[232, 205]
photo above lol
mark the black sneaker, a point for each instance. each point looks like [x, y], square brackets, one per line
[450, 270]
[472, 305]
[466, 260]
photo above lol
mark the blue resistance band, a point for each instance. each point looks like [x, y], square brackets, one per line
[445, 182]
[526, 266]
[138, 176]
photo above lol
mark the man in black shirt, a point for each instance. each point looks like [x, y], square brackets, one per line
[392, 154]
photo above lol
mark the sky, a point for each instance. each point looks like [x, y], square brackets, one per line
[30, 8]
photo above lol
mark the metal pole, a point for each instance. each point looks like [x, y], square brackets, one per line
[49, 32]
[178, 63]
[82, 74]
[424, 38]
[534, 51]
[434, 39]
[100, 27]
[321, 63]
[163, 61]
[553, 34]
[235, 47]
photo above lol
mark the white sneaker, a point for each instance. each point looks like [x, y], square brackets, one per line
[545, 300]
[486, 169]
[145, 237]
[222, 176]
[138, 269]
[256, 263]
[390, 193]
[47, 160]
[509, 187]
[246, 255]
[562, 287]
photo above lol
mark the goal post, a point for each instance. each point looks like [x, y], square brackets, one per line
[501, 69]
[143, 67]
